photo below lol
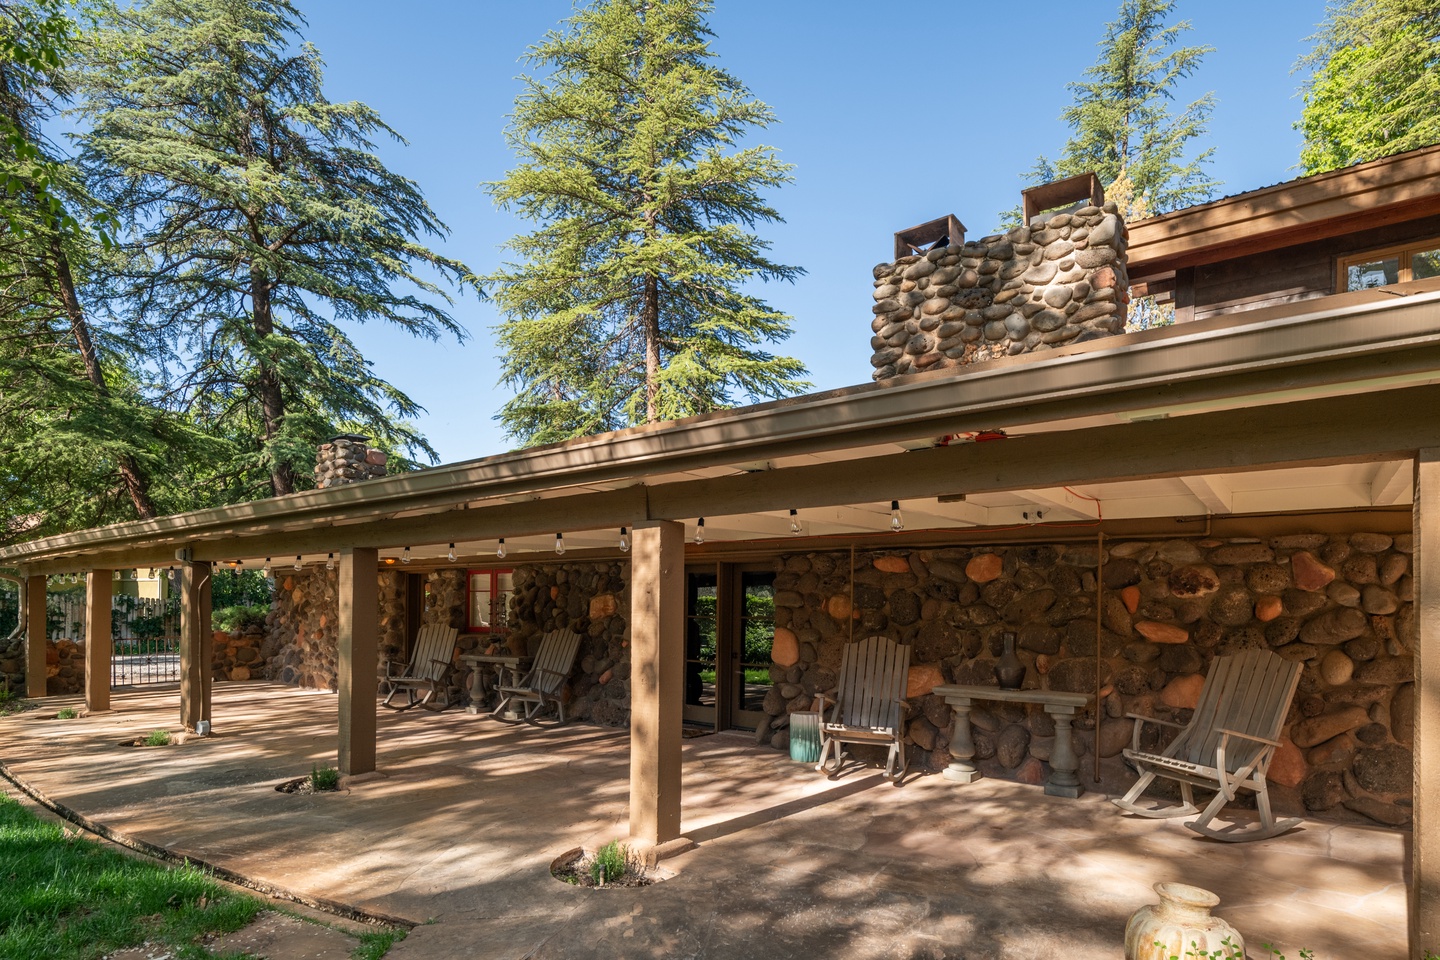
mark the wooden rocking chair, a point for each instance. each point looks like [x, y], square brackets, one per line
[869, 701]
[1227, 745]
[427, 672]
[541, 686]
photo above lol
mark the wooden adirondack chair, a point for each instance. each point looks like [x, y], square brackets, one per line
[542, 684]
[1226, 746]
[427, 671]
[868, 702]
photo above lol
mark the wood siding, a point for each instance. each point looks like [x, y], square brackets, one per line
[1301, 272]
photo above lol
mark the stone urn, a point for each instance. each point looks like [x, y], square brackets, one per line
[1181, 923]
[1009, 669]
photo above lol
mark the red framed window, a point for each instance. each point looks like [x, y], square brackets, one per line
[488, 601]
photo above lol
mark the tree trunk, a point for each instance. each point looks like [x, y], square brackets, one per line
[272, 401]
[650, 320]
[137, 485]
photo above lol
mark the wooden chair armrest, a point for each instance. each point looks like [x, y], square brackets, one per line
[1156, 720]
[1247, 736]
[904, 706]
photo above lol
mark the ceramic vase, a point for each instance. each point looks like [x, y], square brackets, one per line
[1009, 669]
[1180, 923]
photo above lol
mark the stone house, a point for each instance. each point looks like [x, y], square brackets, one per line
[1263, 472]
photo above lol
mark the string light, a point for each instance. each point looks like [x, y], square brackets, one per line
[265, 570]
[389, 561]
[560, 543]
[236, 571]
[794, 523]
[500, 550]
[700, 530]
[330, 561]
[297, 561]
[116, 575]
[896, 523]
[624, 540]
[405, 557]
[451, 555]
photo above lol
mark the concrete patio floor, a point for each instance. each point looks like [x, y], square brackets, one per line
[458, 834]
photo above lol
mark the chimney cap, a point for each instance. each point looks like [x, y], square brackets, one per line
[353, 437]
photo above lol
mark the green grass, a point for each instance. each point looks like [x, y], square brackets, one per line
[324, 778]
[11, 702]
[752, 675]
[610, 862]
[158, 738]
[72, 899]
[375, 943]
[67, 713]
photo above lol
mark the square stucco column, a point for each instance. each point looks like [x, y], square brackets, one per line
[98, 643]
[35, 630]
[657, 675]
[359, 630]
[1425, 863]
[197, 643]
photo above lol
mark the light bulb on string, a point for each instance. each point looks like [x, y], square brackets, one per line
[235, 571]
[560, 543]
[451, 555]
[405, 557]
[265, 570]
[624, 540]
[330, 561]
[500, 550]
[116, 575]
[297, 562]
[700, 530]
[896, 523]
[794, 523]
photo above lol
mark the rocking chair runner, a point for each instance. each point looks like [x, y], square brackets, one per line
[427, 671]
[1227, 745]
[541, 686]
[868, 703]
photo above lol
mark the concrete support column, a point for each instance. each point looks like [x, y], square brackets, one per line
[35, 631]
[99, 645]
[1425, 862]
[197, 644]
[359, 646]
[657, 677]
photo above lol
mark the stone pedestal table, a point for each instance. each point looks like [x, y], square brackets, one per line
[483, 663]
[1063, 781]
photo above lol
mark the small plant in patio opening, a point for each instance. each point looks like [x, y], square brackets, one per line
[324, 778]
[67, 713]
[610, 863]
[157, 738]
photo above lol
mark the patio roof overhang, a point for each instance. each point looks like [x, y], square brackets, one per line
[1340, 380]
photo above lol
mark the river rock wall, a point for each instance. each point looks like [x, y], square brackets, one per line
[1056, 281]
[1341, 605]
[300, 645]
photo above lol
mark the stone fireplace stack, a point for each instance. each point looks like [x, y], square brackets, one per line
[348, 458]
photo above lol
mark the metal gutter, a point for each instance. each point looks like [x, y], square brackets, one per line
[1307, 346]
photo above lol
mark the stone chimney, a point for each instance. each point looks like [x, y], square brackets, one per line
[348, 458]
[1058, 279]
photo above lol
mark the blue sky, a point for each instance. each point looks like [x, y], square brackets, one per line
[893, 114]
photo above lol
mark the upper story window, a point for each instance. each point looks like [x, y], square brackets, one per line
[488, 606]
[1379, 268]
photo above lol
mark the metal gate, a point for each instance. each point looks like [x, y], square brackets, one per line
[145, 634]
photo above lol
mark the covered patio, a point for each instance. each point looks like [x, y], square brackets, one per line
[1284, 455]
[458, 833]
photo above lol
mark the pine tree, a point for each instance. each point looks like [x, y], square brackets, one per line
[69, 418]
[1120, 121]
[1374, 89]
[260, 223]
[631, 302]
